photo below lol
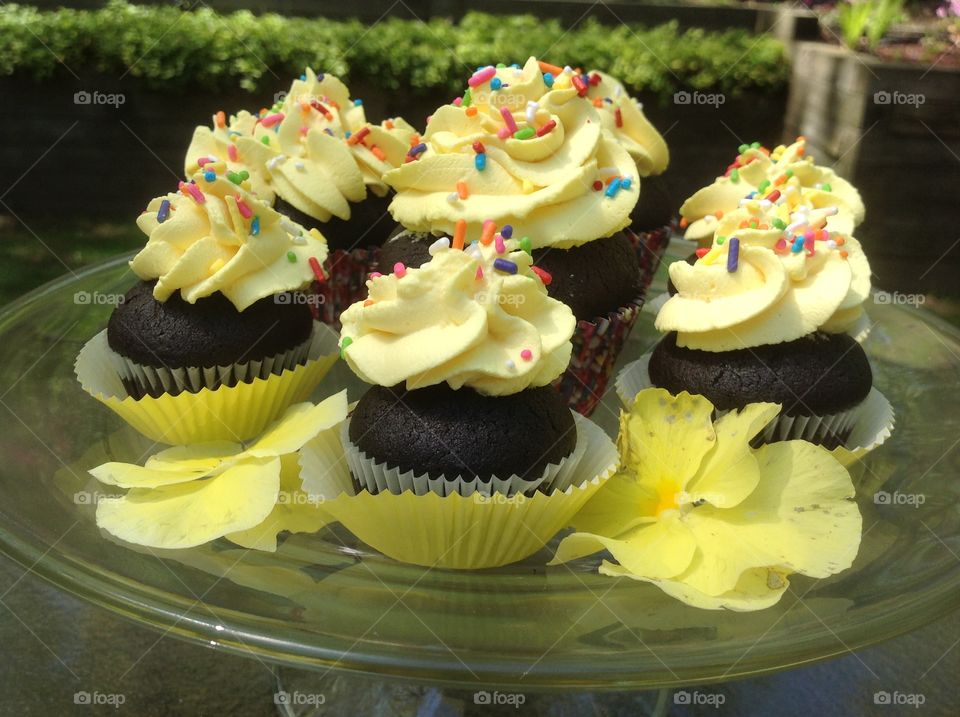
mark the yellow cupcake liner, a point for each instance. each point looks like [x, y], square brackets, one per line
[453, 531]
[870, 423]
[228, 413]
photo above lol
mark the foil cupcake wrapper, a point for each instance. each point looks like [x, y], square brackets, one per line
[650, 247]
[377, 477]
[454, 531]
[346, 282]
[865, 426]
[227, 413]
[162, 380]
[596, 347]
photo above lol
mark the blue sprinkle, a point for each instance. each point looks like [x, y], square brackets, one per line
[797, 244]
[514, 66]
[357, 103]
[507, 231]
[417, 149]
[164, 211]
[751, 195]
[495, 83]
[255, 226]
[320, 77]
[733, 254]
[505, 265]
[608, 100]
[481, 161]
[210, 175]
[303, 77]
[548, 79]
[625, 183]
[347, 134]
[328, 131]
[614, 187]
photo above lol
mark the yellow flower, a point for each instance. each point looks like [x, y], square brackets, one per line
[710, 520]
[188, 495]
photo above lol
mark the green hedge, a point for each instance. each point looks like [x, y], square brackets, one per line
[171, 48]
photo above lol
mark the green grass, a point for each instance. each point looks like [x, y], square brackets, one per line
[34, 256]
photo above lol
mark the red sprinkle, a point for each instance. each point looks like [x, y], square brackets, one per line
[701, 252]
[321, 109]
[595, 79]
[359, 135]
[478, 147]
[526, 354]
[544, 275]
[232, 152]
[774, 195]
[317, 270]
[220, 118]
[547, 128]
[581, 86]
[242, 207]
[619, 117]
[597, 186]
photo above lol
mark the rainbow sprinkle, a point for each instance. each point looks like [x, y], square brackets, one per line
[733, 254]
[505, 265]
[163, 212]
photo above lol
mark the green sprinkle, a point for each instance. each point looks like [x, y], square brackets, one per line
[501, 65]
[265, 139]
[735, 176]
[743, 148]
[826, 187]
[244, 174]
[234, 177]
[779, 224]
[526, 245]
[292, 257]
[763, 185]
[721, 240]
[755, 145]
[467, 99]
[525, 133]
[344, 343]
[789, 173]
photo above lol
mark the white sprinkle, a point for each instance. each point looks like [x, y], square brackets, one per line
[511, 365]
[300, 166]
[792, 228]
[452, 197]
[532, 108]
[290, 227]
[608, 170]
[441, 243]
[274, 161]
[213, 158]
[831, 243]
[568, 70]
[710, 219]
[299, 240]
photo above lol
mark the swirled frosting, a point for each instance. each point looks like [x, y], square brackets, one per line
[215, 236]
[315, 148]
[546, 161]
[758, 172]
[623, 117]
[791, 277]
[479, 318]
[218, 144]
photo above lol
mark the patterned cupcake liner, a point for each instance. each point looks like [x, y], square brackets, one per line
[596, 346]
[860, 429]
[345, 284]
[650, 246]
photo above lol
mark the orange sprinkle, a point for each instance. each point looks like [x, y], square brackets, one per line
[744, 224]
[378, 153]
[486, 235]
[547, 67]
[414, 140]
[388, 124]
[459, 234]
[471, 111]
[801, 150]
[683, 222]
[718, 214]
[462, 190]
[763, 226]
[221, 119]
[844, 253]
[597, 102]
[781, 179]
[369, 302]
[801, 138]
[765, 151]
[841, 241]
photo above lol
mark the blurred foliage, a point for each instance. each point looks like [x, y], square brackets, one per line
[866, 22]
[168, 48]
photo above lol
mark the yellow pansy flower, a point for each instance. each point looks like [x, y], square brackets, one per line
[710, 520]
[189, 495]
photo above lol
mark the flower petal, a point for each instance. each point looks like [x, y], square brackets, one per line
[730, 472]
[621, 504]
[757, 589]
[800, 519]
[127, 475]
[658, 550]
[294, 512]
[665, 437]
[201, 458]
[299, 424]
[190, 514]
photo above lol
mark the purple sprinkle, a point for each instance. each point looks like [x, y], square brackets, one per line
[733, 254]
[507, 231]
[417, 149]
[164, 211]
[505, 265]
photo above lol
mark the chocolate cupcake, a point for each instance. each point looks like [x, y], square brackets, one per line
[324, 163]
[216, 320]
[524, 151]
[462, 351]
[759, 319]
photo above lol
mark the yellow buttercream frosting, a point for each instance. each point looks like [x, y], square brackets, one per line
[541, 184]
[216, 236]
[774, 293]
[787, 170]
[623, 117]
[461, 318]
[218, 144]
[301, 147]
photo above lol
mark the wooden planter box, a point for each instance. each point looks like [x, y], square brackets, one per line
[893, 130]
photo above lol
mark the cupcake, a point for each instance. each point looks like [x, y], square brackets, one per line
[461, 454]
[324, 163]
[651, 221]
[214, 341]
[759, 173]
[524, 152]
[765, 315]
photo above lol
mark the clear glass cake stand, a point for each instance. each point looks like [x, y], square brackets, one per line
[359, 621]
